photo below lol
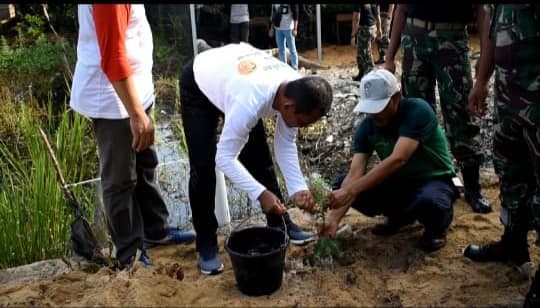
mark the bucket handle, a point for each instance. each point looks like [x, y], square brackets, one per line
[285, 236]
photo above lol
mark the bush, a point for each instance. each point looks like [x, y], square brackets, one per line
[34, 71]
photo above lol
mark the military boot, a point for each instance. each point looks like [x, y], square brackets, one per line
[532, 299]
[512, 248]
[471, 183]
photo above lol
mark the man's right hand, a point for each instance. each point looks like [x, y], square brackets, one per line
[331, 224]
[390, 65]
[271, 32]
[142, 131]
[477, 99]
[353, 40]
[271, 204]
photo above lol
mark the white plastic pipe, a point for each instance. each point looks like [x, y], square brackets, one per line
[222, 204]
[319, 40]
[193, 28]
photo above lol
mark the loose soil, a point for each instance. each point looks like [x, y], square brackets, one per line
[374, 271]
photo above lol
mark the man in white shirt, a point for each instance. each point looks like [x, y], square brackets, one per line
[113, 86]
[243, 84]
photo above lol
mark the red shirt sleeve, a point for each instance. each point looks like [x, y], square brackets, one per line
[111, 21]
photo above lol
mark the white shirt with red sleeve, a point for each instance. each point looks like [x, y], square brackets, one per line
[115, 42]
[242, 82]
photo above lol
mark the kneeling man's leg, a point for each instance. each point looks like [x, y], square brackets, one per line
[433, 206]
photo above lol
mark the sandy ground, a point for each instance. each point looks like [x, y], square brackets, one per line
[373, 271]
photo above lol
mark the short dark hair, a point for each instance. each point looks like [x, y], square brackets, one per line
[310, 93]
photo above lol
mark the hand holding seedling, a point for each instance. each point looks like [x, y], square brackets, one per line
[331, 222]
[339, 198]
[271, 204]
[304, 200]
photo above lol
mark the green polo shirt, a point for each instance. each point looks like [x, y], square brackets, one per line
[415, 119]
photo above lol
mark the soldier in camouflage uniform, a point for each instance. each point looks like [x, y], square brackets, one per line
[511, 45]
[436, 51]
[385, 11]
[366, 27]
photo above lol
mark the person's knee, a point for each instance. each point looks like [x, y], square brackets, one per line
[336, 184]
[440, 202]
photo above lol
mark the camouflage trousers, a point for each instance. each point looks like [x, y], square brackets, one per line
[382, 44]
[364, 58]
[441, 57]
[516, 157]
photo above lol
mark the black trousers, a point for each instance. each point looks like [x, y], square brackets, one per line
[428, 201]
[200, 119]
[239, 32]
[133, 203]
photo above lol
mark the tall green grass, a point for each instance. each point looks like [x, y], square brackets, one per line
[34, 215]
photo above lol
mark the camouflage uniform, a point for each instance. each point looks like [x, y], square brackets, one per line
[515, 29]
[365, 35]
[382, 44]
[364, 58]
[442, 56]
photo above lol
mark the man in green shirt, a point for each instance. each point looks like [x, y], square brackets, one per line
[413, 180]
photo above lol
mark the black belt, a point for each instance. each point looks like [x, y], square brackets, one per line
[436, 25]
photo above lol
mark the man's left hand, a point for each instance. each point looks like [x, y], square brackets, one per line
[304, 200]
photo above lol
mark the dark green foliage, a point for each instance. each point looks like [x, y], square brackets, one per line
[325, 251]
[32, 72]
[171, 31]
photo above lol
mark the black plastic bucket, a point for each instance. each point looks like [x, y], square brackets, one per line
[258, 258]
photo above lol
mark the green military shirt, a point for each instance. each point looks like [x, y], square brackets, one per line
[415, 119]
[515, 29]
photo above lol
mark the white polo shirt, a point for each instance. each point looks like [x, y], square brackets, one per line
[242, 82]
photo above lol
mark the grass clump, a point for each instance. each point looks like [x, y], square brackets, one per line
[34, 216]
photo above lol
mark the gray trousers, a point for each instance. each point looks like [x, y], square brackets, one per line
[133, 203]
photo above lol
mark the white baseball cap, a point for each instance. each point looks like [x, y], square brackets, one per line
[376, 89]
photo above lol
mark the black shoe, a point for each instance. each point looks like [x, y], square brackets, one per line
[471, 183]
[532, 299]
[478, 203]
[431, 241]
[390, 227]
[297, 236]
[498, 252]
[128, 264]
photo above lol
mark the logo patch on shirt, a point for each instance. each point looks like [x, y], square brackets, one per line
[246, 66]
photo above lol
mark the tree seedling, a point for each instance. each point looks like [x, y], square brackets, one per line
[326, 249]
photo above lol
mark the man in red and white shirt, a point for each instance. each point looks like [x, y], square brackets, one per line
[113, 86]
